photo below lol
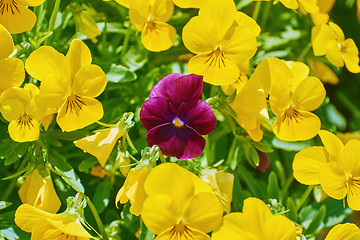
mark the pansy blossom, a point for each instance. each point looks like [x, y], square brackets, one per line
[176, 117]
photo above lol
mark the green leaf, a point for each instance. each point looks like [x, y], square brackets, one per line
[120, 74]
[4, 204]
[317, 220]
[65, 171]
[102, 195]
[239, 195]
[262, 147]
[251, 155]
[145, 233]
[292, 146]
[253, 185]
[273, 187]
[335, 117]
[16, 152]
[292, 213]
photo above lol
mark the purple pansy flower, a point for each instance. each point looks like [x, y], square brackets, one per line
[176, 117]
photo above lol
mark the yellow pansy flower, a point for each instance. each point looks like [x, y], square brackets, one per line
[329, 40]
[16, 17]
[322, 15]
[45, 225]
[39, 192]
[292, 98]
[85, 21]
[347, 231]
[221, 184]
[255, 222]
[69, 83]
[12, 69]
[334, 166]
[189, 3]
[308, 6]
[150, 17]
[23, 110]
[133, 189]
[101, 143]
[223, 39]
[323, 72]
[173, 209]
[250, 106]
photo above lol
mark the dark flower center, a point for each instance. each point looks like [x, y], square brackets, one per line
[178, 123]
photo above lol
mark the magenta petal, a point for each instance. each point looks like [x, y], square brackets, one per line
[160, 89]
[182, 143]
[156, 111]
[198, 115]
[185, 88]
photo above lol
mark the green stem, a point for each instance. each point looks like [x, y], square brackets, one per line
[265, 15]
[96, 216]
[208, 154]
[304, 197]
[255, 14]
[125, 43]
[53, 19]
[12, 185]
[347, 103]
[286, 186]
[304, 52]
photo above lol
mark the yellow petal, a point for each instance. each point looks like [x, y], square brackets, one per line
[279, 98]
[350, 55]
[216, 68]
[125, 3]
[353, 195]
[12, 73]
[26, 216]
[347, 231]
[17, 18]
[279, 227]
[309, 94]
[320, 18]
[6, 43]
[320, 36]
[88, 26]
[221, 12]
[324, 72]
[309, 5]
[161, 10]
[203, 212]
[299, 70]
[351, 157]
[47, 199]
[69, 225]
[333, 53]
[233, 226]
[101, 143]
[133, 189]
[77, 57]
[338, 31]
[222, 184]
[333, 180]
[189, 3]
[325, 6]
[292, 4]
[121, 197]
[333, 145]
[30, 188]
[79, 112]
[199, 35]
[25, 130]
[90, 81]
[181, 234]
[170, 179]
[31, 3]
[46, 64]
[239, 44]
[159, 213]
[158, 36]
[307, 164]
[244, 21]
[271, 70]
[296, 126]
[139, 13]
